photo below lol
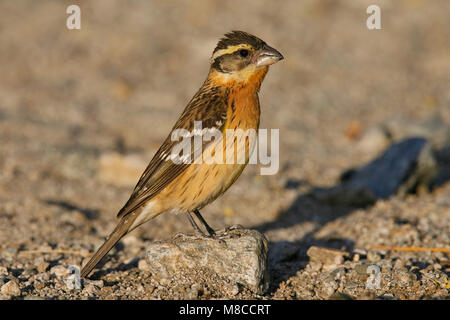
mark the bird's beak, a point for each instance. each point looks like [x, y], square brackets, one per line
[267, 56]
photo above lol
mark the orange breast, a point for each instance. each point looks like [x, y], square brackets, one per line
[202, 183]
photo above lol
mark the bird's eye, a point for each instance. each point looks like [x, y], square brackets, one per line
[243, 53]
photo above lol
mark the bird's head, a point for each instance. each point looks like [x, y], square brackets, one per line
[239, 56]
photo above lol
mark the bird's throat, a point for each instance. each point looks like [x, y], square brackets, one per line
[249, 78]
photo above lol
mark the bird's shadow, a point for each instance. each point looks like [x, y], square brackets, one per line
[90, 214]
[286, 258]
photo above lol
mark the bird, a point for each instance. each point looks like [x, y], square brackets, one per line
[227, 100]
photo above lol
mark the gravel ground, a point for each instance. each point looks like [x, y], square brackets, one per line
[82, 112]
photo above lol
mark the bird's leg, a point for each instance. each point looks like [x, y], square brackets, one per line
[194, 225]
[210, 230]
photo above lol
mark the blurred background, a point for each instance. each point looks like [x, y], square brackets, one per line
[83, 111]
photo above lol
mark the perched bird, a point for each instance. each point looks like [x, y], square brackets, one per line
[228, 99]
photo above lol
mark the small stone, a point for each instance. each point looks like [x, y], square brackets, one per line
[143, 265]
[59, 271]
[89, 290]
[315, 266]
[42, 267]
[373, 140]
[337, 273]
[326, 256]
[399, 263]
[330, 267]
[330, 287]
[356, 257]
[233, 289]
[11, 288]
[361, 252]
[3, 270]
[38, 285]
[437, 266]
[372, 256]
[361, 268]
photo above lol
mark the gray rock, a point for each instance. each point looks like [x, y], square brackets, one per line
[374, 140]
[405, 278]
[239, 255]
[143, 265]
[42, 267]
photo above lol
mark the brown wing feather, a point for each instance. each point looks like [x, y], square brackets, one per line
[209, 105]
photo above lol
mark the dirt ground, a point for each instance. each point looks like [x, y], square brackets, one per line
[83, 111]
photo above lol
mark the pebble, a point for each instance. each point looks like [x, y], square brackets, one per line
[399, 263]
[326, 256]
[315, 266]
[372, 256]
[143, 265]
[194, 291]
[38, 285]
[97, 283]
[3, 270]
[59, 271]
[330, 287]
[361, 268]
[361, 252]
[90, 289]
[10, 288]
[406, 278]
[337, 273]
[42, 267]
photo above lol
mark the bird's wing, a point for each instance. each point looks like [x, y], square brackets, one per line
[209, 105]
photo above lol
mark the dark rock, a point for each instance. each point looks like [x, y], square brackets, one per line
[399, 170]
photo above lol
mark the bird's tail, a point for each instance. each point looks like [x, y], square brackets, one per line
[122, 229]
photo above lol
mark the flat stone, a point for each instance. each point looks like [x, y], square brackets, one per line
[238, 255]
[143, 265]
[42, 267]
[59, 271]
[326, 256]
